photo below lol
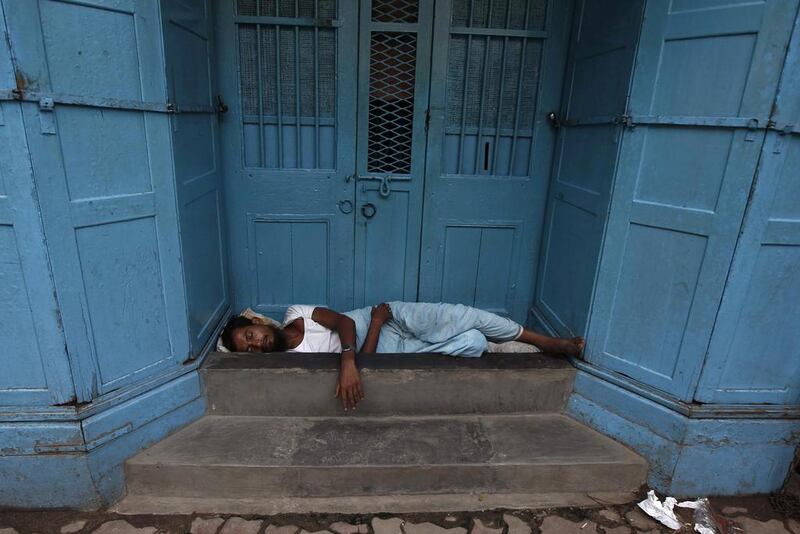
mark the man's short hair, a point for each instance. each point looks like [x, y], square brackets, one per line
[237, 321]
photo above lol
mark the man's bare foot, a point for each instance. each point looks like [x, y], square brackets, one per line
[554, 345]
[572, 346]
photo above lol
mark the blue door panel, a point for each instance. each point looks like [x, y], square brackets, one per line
[682, 185]
[34, 359]
[754, 356]
[288, 73]
[497, 70]
[105, 185]
[394, 65]
[604, 39]
[188, 56]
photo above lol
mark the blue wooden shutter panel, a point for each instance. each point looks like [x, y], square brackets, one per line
[682, 184]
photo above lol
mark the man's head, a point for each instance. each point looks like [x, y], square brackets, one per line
[243, 334]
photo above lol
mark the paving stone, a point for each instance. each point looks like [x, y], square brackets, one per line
[516, 525]
[286, 529]
[393, 525]
[610, 515]
[206, 526]
[430, 528]
[639, 520]
[794, 526]
[316, 532]
[734, 510]
[8, 531]
[479, 528]
[751, 526]
[618, 530]
[558, 525]
[72, 528]
[238, 525]
[346, 528]
[122, 527]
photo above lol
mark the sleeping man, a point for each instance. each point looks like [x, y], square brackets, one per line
[396, 327]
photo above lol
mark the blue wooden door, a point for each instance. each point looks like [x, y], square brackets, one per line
[496, 71]
[35, 369]
[188, 51]
[394, 67]
[603, 45]
[93, 76]
[703, 75]
[754, 356]
[288, 71]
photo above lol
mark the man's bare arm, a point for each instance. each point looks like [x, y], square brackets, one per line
[349, 387]
[380, 314]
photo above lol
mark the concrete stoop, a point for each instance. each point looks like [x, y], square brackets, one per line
[433, 434]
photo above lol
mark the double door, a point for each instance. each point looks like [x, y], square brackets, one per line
[390, 150]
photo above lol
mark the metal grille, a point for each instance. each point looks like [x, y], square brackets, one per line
[391, 101]
[505, 14]
[287, 80]
[326, 9]
[395, 11]
[492, 80]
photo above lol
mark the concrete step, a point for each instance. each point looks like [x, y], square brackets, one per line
[366, 504]
[395, 384]
[246, 457]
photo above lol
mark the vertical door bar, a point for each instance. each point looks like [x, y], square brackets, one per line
[519, 94]
[278, 91]
[297, 151]
[262, 151]
[484, 68]
[500, 94]
[316, 86]
[464, 93]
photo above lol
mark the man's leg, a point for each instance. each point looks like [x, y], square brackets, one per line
[470, 343]
[438, 322]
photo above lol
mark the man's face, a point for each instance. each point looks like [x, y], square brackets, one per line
[254, 338]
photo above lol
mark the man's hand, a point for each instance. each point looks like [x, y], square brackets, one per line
[380, 314]
[349, 388]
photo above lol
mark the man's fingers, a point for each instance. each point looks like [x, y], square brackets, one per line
[360, 391]
[338, 390]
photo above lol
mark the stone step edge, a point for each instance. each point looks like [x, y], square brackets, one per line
[458, 502]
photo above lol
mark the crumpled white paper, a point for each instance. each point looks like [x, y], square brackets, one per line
[662, 512]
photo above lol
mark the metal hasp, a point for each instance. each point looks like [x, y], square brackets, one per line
[47, 122]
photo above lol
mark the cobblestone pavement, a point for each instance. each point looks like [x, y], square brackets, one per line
[753, 514]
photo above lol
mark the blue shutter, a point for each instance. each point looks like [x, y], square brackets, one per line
[754, 355]
[596, 90]
[702, 76]
[35, 370]
[188, 54]
[105, 183]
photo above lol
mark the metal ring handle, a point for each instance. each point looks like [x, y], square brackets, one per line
[345, 206]
[368, 210]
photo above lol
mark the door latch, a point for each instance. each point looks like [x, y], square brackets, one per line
[47, 121]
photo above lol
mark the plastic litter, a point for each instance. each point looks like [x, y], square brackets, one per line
[659, 511]
[705, 520]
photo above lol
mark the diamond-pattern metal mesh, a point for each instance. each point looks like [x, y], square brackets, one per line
[393, 58]
[395, 11]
